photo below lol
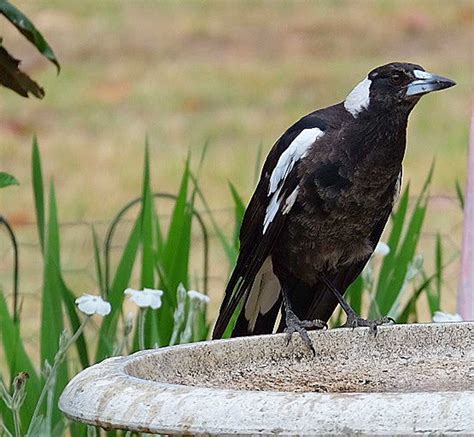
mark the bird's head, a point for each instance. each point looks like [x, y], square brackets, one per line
[394, 87]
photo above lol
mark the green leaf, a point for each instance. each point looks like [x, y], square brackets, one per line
[38, 191]
[402, 250]
[229, 248]
[115, 296]
[175, 257]
[98, 263]
[239, 211]
[405, 254]
[7, 179]
[460, 194]
[28, 30]
[52, 324]
[148, 258]
[17, 359]
[71, 310]
[355, 292]
[147, 234]
[434, 294]
[398, 219]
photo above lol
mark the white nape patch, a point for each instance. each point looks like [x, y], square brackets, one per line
[272, 210]
[359, 98]
[290, 201]
[297, 150]
[419, 74]
[263, 294]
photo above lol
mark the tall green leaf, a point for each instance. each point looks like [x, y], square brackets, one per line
[52, 323]
[239, 211]
[17, 360]
[29, 30]
[175, 259]
[38, 191]
[115, 296]
[148, 259]
[227, 244]
[98, 263]
[399, 262]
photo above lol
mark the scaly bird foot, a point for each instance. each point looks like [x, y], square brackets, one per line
[294, 324]
[354, 321]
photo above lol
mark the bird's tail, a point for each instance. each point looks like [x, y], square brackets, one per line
[259, 297]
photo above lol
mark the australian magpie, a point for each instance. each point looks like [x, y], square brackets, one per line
[325, 193]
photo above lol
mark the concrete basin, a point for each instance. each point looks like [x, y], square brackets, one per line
[410, 379]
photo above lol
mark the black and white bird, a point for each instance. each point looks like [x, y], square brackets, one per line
[325, 193]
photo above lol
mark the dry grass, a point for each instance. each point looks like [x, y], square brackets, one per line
[232, 73]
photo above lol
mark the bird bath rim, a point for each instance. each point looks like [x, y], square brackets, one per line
[113, 394]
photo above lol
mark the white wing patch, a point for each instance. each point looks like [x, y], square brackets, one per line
[297, 150]
[263, 294]
[272, 210]
[290, 200]
[359, 98]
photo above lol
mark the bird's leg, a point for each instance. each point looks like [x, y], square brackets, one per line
[294, 324]
[353, 319]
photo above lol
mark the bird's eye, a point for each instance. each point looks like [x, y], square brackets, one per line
[396, 79]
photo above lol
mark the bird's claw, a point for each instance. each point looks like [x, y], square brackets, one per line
[355, 321]
[294, 324]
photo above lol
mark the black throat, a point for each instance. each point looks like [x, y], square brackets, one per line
[379, 140]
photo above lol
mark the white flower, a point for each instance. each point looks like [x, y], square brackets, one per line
[90, 305]
[147, 298]
[440, 317]
[193, 294]
[382, 249]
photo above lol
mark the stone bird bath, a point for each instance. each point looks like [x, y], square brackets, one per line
[410, 379]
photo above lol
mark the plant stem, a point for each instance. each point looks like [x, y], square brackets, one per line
[141, 328]
[17, 422]
[51, 378]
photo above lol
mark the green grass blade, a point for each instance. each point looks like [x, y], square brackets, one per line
[402, 250]
[147, 234]
[434, 293]
[71, 311]
[17, 360]
[98, 263]
[460, 194]
[119, 284]
[38, 191]
[355, 292]
[405, 255]
[175, 259]
[178, 235]
[52, 323]
[239, 211]
[398, 219]
[147, 215]
[229, 249]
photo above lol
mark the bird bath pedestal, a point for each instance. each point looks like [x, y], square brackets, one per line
[409, 379]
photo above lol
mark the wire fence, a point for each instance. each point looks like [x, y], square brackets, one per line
[77, 251]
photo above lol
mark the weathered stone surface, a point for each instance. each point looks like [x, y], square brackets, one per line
[409, 379]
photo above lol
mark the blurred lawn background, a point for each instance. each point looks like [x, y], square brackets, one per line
[231, 73]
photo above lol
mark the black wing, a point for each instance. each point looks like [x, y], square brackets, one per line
[257, 239]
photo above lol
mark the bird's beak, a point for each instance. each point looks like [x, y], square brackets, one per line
[426, 82]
